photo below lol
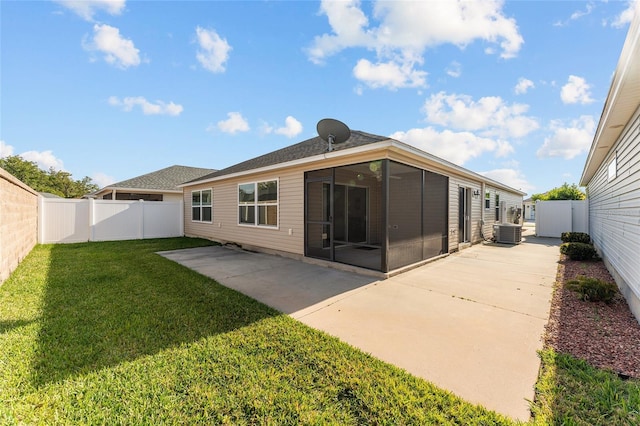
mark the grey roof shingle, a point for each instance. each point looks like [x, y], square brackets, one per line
[165, 179]
[304, 149]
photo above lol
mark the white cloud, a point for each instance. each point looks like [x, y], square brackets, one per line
[86, 9]
[292, 128]
[5, 149]
[44, 159]
[576, 15]
[235, 123]
[406, 29]
[523, 86]
[118, 51]
[148, 108]
[626, 15]
[456, 147]
[491, 115]
[214, 50]
[511, 177]
[390, 74]
[454, 69]
[102, 179]
[568, 141]
[576, 91]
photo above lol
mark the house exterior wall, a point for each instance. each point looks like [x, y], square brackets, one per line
[225, 228]
[289, 236]
[614, 211]
[455, 183]
[18, 222]
[166, 196]
[171, 197]
[529, 211]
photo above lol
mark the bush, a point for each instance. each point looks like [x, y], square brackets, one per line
[593, 289]
[575, 237]
[578, 251]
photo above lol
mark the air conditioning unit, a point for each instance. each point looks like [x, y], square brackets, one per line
[507, 234]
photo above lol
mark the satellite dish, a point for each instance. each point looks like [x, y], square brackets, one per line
[333, 131]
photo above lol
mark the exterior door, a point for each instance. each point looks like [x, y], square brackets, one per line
[464, 218]
[319, 219]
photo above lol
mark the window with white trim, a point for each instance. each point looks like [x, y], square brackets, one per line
[612, 170]
[258, 203]
[201, 205]
[487, 200]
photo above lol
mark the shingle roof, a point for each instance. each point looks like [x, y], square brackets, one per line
[165, 179]
[304, 149]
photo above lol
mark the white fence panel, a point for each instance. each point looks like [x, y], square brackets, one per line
[63, 221]
[116, 220]
[558, 216]
[72, 221]
[156, 223]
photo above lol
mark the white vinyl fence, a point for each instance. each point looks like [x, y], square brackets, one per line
[73, 221]
[555, 217]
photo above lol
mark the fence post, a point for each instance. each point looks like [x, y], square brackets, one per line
[92, 219]
[181, 217]
[141, 221]
[41, 220]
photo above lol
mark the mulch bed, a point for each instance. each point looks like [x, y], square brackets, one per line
[607, 336]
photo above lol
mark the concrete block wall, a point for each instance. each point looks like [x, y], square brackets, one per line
[18, 222]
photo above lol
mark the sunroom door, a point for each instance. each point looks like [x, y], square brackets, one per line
[319, 219]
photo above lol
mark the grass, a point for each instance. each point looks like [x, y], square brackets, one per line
[571, 392]
[112, 333]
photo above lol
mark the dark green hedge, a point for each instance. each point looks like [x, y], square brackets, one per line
[575, 237]
[578, 251]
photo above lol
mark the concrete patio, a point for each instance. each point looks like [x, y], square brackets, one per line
[470, 323]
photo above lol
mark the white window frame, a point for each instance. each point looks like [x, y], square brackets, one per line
[612, 168]
[256, 204]
[201, 205]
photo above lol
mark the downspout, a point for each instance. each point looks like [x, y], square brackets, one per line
[483, 196]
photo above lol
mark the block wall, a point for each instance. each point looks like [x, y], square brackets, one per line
[18, 222]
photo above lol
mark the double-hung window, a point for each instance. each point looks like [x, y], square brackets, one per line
[201, 205]
[258, 203]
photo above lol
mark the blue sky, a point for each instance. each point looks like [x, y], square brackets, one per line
[116, 89]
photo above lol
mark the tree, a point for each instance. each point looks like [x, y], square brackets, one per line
[564, 192]
[53, 181]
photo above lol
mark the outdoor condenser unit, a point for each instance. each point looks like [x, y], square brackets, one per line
[508, 234]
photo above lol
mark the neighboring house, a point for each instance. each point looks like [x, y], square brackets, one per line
[161, 185]
[529, 213]
[371, 202]
[612, 173]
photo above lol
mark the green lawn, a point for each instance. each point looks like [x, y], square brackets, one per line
[111, 333]
[571, 392]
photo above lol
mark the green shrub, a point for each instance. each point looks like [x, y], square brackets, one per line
[593, 289]
[578, 251]
[575, 237]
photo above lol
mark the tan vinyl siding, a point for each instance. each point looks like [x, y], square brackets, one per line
[455, 182]
[614, 209]
[225, 227]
